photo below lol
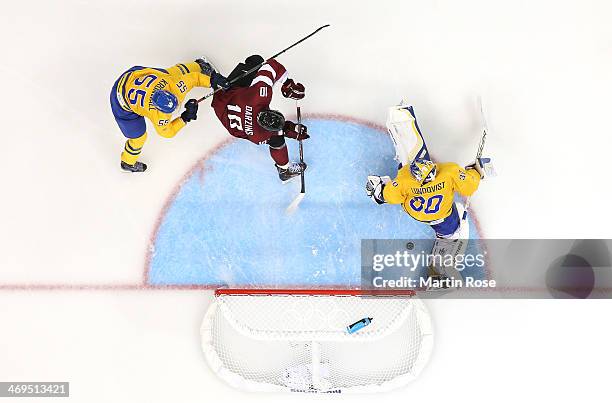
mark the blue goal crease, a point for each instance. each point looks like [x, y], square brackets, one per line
[230, 227]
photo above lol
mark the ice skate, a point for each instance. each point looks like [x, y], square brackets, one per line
[294, 169]
[137, 167]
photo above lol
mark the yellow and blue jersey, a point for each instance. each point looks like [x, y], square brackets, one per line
[432, 201]
[134, 88]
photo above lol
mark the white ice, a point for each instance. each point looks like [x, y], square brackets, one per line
[69, 217]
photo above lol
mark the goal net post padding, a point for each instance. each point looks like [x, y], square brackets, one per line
[297, 340]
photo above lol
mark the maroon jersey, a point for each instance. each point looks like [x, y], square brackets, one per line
[237, 108]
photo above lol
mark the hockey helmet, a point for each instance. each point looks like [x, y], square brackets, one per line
[271, 120]
[423, 170]
[164, 101]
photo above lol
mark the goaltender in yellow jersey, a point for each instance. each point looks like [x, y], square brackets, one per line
[426, 191]
[156, 93]
[433, 200]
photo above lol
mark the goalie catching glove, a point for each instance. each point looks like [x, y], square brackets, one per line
[293, 131]
[375, 186]
[483, 166]
[293, 90]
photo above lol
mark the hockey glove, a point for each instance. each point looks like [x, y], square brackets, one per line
[483, 166]
[219, 81]
[205, 66]
[191, 111]
[375, 186]
[292, 131]
[293, 90]
[216, 80]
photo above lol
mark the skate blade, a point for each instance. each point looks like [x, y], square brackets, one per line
[290, 180]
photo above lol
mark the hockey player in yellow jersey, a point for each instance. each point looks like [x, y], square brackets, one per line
[424, 189]
[156, 93]
[431, 199]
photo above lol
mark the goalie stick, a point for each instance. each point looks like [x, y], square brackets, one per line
[298, 199]
[257, 67]
[485, 130]
[445, 273]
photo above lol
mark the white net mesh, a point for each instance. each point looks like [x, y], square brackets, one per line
[301, 343]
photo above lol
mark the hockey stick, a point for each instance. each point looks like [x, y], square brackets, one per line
[298, 199]
[257, 67]
[485, 129]
[299, 125]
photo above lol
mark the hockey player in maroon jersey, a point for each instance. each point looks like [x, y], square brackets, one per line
[244, 110]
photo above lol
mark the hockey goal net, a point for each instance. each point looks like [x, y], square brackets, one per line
[300, 341]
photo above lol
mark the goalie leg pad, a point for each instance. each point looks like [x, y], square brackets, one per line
[450, 244]
[407, 139]
[444, 253]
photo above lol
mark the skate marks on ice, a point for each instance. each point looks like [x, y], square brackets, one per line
[225, 224]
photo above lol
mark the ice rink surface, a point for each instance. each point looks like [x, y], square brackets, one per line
[226, 224]
[79, 237]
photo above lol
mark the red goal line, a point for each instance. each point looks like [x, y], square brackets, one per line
[313, 291]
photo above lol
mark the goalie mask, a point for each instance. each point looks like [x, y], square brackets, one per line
[423, 170]
[271, 120]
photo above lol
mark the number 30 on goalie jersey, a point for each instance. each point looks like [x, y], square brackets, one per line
[433, 200]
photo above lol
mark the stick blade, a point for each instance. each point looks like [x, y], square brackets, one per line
[483, 114]
[295, 203]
